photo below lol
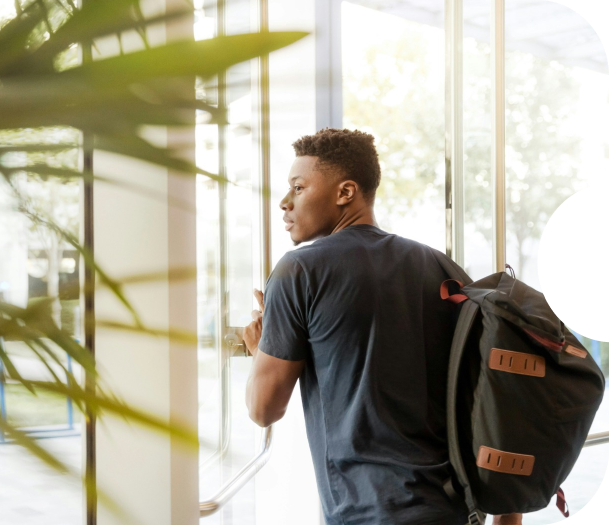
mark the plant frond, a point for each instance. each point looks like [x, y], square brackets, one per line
[100, 404]
[172, 334]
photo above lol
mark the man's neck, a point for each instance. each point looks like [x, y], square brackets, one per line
[364, 215]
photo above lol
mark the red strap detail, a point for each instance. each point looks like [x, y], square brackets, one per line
[561, 503]
[556, 347]
[455, 298]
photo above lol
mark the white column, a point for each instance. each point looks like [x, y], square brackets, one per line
[150, 475]
[454, 130]
[498, 132]
[328, 64]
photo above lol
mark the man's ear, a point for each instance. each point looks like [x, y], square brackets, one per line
[347, 191]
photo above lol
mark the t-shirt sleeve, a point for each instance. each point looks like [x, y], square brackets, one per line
[284, 323]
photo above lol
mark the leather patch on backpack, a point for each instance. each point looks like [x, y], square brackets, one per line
[577, 352]
[517, 363]
[505, 462]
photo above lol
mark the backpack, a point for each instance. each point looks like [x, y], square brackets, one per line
[522, 395]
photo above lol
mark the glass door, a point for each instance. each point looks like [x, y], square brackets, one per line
[228, 244]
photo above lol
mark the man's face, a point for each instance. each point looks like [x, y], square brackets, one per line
[310, 206]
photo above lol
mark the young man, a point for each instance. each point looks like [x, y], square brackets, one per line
[358, 317]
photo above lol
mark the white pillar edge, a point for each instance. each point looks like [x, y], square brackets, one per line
[498, 132]
[453, 144]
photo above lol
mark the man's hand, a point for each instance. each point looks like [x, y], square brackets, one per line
[253, 331]
[508, 519]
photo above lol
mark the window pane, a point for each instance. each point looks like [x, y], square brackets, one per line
[393, 88]
[477, 138]
[556, 106]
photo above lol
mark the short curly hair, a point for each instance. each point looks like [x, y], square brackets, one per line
[351, 151]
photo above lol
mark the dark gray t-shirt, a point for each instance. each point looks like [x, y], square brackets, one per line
[363, 308]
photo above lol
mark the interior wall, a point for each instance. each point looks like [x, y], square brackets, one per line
[150, 476]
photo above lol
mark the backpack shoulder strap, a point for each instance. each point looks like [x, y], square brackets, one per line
[467, 315]
[452, 269]
[469, 310]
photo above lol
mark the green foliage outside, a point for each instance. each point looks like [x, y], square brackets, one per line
[543, 155]
[390, 93]
[69, 316]
[25, 410]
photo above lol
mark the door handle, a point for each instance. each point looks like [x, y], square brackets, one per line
[231, 487]
[235, 343]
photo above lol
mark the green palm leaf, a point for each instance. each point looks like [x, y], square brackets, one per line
[32, 324]
[11, 369]
[15, 34]
[99, 404]
[172, 334]
[204, 58]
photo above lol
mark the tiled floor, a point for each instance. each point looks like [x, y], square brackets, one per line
[33, 494]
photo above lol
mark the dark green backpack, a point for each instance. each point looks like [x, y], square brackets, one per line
[522, 395]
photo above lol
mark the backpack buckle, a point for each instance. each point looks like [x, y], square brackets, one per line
[474, 519]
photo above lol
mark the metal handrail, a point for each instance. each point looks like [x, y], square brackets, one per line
[596, 439]
[218, 500]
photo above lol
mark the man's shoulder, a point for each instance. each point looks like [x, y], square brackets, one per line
[349, 239]
[288, 264]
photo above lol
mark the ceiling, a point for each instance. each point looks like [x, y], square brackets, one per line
[541, 27]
